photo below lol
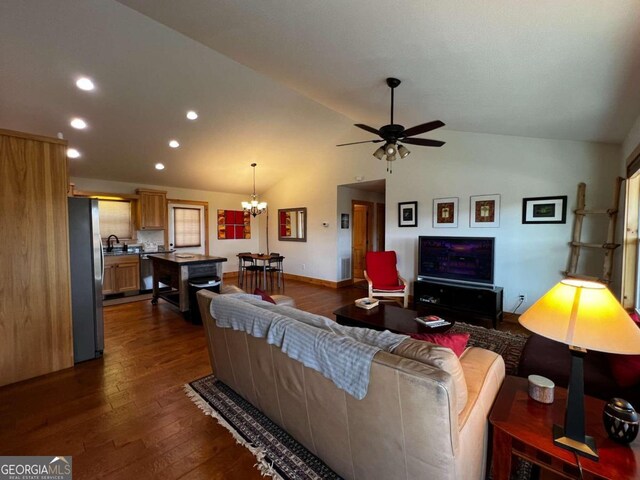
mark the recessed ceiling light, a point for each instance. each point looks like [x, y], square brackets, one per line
[84, 83]
[174, 144]
[159, 166]
[72, 153]
[191, 115]
[78, 123]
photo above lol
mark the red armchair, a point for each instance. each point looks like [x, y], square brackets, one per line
[383, 277]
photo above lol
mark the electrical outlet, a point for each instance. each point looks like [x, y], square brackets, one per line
[304, 267]
[522, 298]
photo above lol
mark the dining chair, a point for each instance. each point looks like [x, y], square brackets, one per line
[276, 267]
[247, 266]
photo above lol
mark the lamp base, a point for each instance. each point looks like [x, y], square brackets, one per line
[586, 448]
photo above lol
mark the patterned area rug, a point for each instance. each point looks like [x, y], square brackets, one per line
[277, 453]
[507, 344]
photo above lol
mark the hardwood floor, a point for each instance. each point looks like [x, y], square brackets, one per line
[126, 416]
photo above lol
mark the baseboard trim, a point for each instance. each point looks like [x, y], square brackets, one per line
[313, 281]
[300, 278]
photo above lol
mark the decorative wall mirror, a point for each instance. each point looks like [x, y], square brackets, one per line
[292, 224]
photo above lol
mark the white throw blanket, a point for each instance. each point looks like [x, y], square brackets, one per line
[341, 354]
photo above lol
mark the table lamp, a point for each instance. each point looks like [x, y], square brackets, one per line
[584, 315]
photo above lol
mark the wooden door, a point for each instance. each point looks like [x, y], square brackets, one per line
[380, 226]
[361, 236]
[36, 335]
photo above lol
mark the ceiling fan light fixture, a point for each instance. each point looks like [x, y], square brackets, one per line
[379, 153]
[403, 151]
[390, 149]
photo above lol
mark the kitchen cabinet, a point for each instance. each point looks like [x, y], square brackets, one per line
[121, 274]
[109, 279]
[152, 209]
[35, 287]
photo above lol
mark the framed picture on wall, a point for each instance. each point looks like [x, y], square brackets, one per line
[484, 211]
[445, 212]
[544, 209]
[344, 220]
[408, 214]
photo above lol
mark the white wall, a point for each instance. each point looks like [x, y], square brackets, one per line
[220, 248]
[529, 258]
[631, 141]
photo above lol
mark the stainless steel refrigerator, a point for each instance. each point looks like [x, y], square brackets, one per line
[87, 269]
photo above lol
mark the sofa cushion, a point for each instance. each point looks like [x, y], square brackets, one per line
[439, 357]
[455, 341]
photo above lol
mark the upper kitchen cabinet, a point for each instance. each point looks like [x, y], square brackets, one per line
[36, 335]
[152, 209]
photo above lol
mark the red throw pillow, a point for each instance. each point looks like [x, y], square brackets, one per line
[265, 296]
[625, 369]
[455, 341]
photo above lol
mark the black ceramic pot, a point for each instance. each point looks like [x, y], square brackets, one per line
[620, 420]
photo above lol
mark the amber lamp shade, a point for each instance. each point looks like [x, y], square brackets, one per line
[585, 316]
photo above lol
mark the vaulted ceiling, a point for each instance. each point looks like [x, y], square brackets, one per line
[275, 79]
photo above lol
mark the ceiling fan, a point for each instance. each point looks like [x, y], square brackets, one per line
[392, 133]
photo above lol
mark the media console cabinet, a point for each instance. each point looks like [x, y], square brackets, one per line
[465, 303]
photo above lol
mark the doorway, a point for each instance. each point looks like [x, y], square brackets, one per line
[362, 236]
[188, 226]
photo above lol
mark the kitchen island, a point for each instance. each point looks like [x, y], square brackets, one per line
[175, 270]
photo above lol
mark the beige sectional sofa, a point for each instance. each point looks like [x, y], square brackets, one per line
[424, 415]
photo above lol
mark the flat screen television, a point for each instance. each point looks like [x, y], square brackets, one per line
[459, 259]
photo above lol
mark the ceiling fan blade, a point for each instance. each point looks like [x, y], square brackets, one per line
[423, 128]
[355, 143]
[425, 142]
[368, 128]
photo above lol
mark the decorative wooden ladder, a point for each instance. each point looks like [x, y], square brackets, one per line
[609, 246]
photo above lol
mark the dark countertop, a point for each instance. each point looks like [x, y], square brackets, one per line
[186, 258]
[120, 253]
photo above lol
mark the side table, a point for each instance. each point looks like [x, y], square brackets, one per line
[522, 427]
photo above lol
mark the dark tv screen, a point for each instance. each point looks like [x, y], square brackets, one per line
[466, 259]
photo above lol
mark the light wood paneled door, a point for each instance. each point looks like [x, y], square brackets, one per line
[361, 235]
[380, 226]
[35, 290]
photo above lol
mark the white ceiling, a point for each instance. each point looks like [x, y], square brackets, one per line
[553, 69]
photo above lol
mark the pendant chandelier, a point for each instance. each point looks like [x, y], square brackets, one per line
[254, 207]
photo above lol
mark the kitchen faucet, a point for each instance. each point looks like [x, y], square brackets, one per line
[109, 246]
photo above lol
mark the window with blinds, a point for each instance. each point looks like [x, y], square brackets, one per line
[186, 227]
[115, 218]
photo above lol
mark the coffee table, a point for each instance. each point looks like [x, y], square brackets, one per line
[385, 317]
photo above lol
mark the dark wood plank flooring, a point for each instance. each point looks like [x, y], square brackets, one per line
[125, 416]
